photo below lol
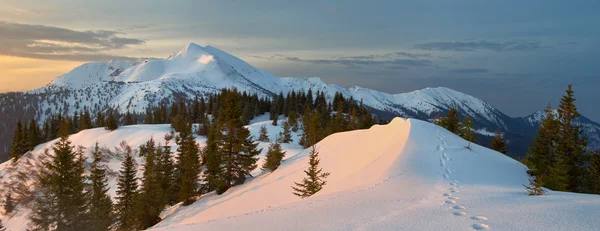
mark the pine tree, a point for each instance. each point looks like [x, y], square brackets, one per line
[111, 122]
[99, 203]
[213, 161]
[127, 187]
[543, 159]
[263, 134]
[9, 204]
[18, 147]
[129, 119]
[166, 169]
[572, 144]
[150, 201]
[99, 120]
[451, 121]
[466, 131]
[33, 135]
[188, 165]
[498, 144]
[237, 151]
[286, 134]
[63, 201]
[594, 171]
[535, 187]
[274, 157]
[86, 120]
[315, 177]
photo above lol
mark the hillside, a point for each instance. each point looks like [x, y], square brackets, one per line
[407, 175]
[201, 70]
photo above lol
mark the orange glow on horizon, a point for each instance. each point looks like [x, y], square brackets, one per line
[21, 74]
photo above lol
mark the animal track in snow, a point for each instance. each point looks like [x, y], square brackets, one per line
[453, 198]
[459, 213]
[480, 226]
[450, 202]
[459, 207]
[479, 218]
[446, 194]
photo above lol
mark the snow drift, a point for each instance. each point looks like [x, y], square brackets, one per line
[408, 175]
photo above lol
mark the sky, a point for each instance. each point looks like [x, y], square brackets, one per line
[516, 55]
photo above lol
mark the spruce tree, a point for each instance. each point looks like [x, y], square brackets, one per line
[99, 119]
[451, 121]
[213, 161]
[466, 131]
[274, 157]
[543, 159]
[572, 144]
[166, 169]
[63, 202]
[237, 150]
[127, 187]
[286, 134]
[498, 144]
[18, 146]
[149, 201]
[100, 204]
[129, 119]
[535, 187]
[188, 165]
[263, 134]
[315, 177]
[111, 122]
[33, 135]
[86, 120]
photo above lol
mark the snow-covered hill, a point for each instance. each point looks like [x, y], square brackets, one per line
[407, 175]
[196, 70]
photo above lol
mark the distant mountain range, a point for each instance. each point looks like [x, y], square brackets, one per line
[197, 70]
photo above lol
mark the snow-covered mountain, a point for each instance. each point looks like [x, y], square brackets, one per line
[407, 175]
[196, 70]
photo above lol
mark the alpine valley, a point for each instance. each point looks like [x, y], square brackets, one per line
[199, 71]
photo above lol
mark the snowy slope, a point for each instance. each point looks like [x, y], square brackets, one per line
[201, 70]
[408, 175]
[135, 136]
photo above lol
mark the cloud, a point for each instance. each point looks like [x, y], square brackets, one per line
[55, 43]
[22, 11]
[391, 61]
[470, 71]
[465, 46]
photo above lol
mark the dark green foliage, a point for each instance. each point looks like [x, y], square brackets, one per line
[594, 173]
[129, 119]
[263, 134]
[274, 157]
[498, 144]
[166, 170]
[62, 203]
[111, 121]
[100, 205]
[150, 199]
[315, 177]
[34, 136]
[99, 119]
[572, 145]
[19, 143]
[286, 134]
[86, 120]
[450, 122]
[188, 165]
[127, 187]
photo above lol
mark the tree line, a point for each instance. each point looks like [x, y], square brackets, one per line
[66, 198]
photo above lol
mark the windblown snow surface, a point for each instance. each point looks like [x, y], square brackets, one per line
[407, 175]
